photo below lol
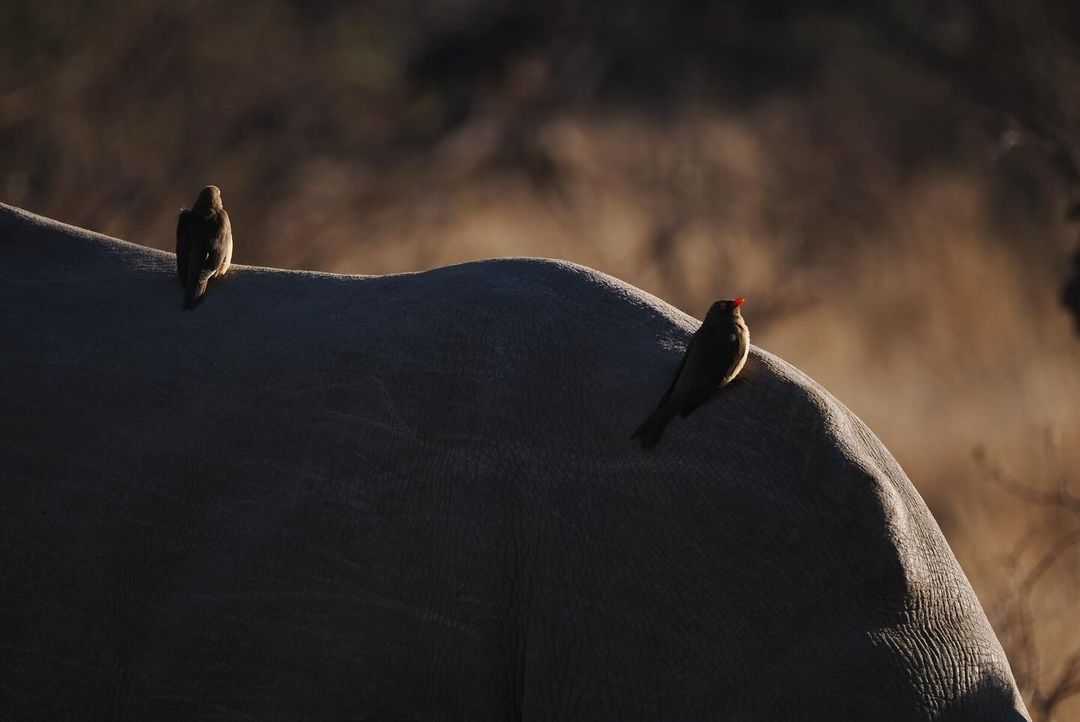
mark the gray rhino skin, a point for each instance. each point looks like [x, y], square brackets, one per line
[414, 498]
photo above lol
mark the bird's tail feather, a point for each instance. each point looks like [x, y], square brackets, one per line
[196, 290]
[650, 430]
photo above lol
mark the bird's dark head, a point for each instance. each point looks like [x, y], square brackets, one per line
[209, 197]
[725, 308]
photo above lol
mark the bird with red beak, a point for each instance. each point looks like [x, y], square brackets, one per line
[715, 356]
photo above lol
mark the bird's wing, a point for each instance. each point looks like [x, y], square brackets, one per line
[183, 244]
[710, 359]
[678, 371]
[218, 238]
[694, 364]
[727, 346]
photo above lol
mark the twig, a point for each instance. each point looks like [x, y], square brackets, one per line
[1043, 700]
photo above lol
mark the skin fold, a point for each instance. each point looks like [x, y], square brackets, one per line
[413, 498]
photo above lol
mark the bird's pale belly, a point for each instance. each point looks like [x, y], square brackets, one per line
[738, 364]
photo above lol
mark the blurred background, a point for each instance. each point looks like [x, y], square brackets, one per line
[890, 183]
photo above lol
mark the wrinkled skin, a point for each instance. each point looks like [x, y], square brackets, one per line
[413, 497]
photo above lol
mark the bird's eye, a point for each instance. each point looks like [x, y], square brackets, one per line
[723, 306]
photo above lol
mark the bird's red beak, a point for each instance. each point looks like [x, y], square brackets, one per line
[737, 302]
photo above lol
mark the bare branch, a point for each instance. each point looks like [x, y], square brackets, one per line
[1059, 547]
[1066, 686]
[1061, 498]
[1017, 620]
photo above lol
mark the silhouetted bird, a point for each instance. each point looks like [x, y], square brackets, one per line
[204, 244]
[714, 357]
